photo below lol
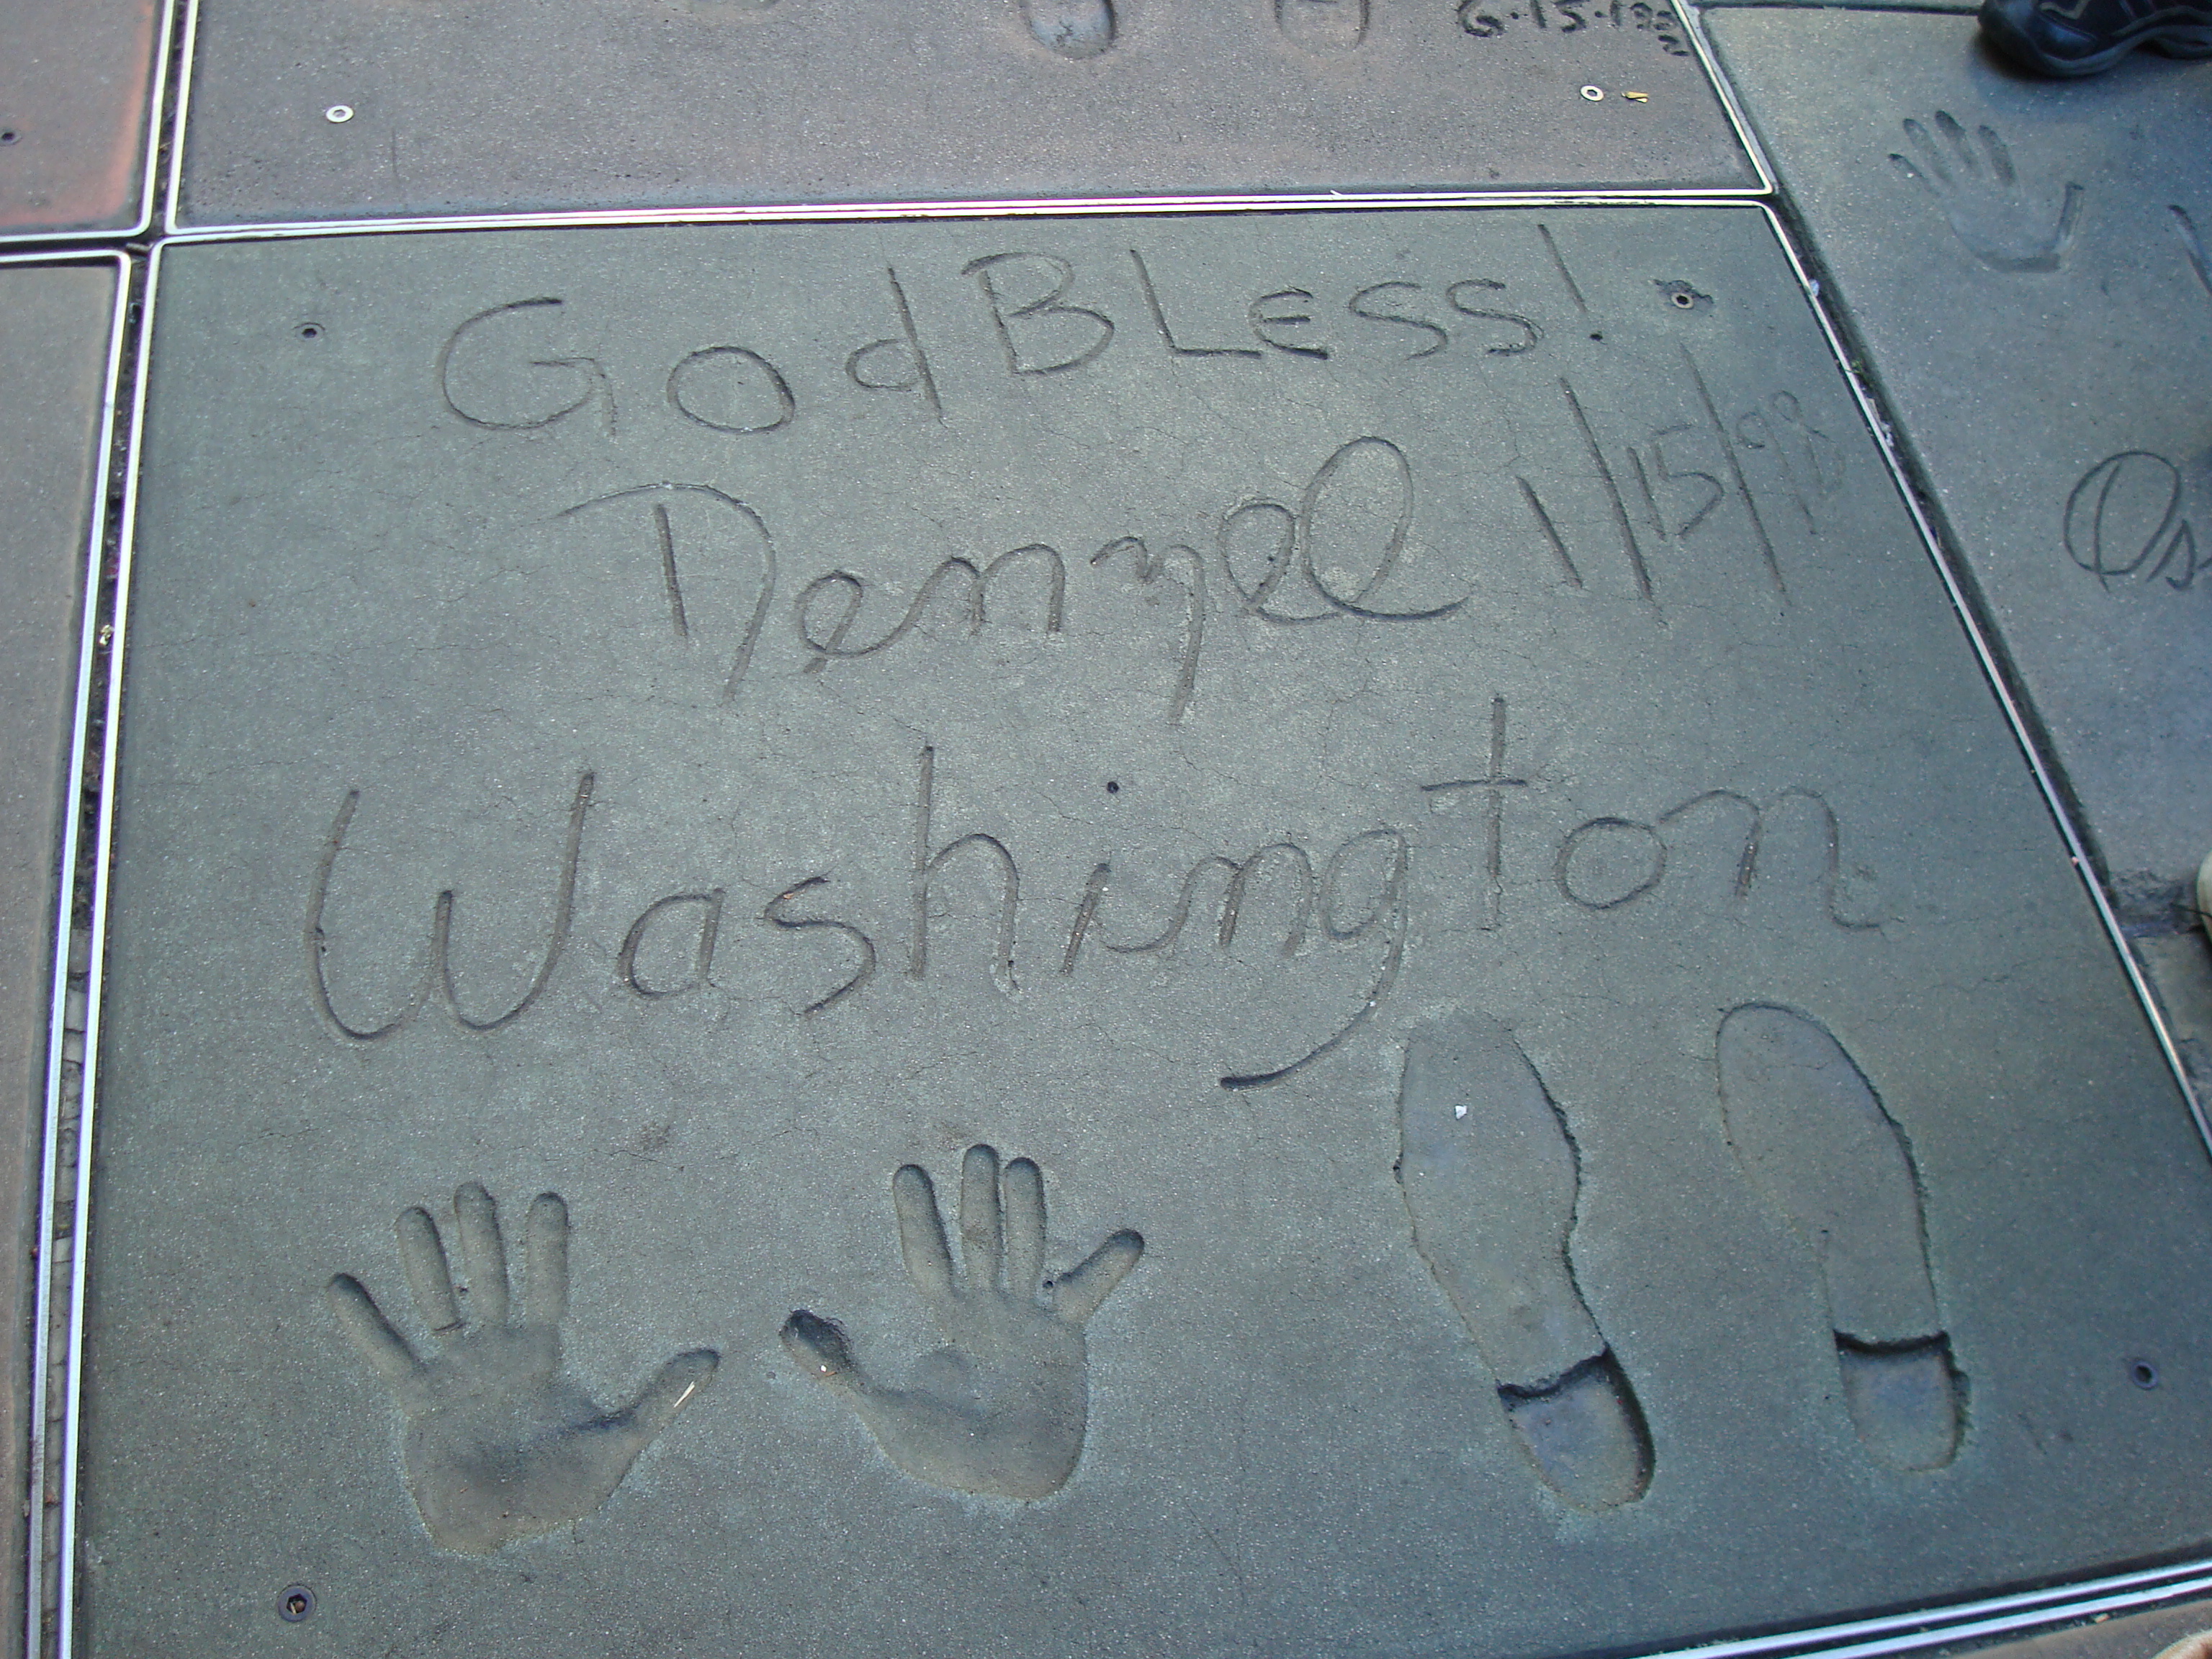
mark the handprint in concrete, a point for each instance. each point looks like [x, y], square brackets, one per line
[1993, 213]
[501, 1442]
[1000, 1409]
[1492, 1181]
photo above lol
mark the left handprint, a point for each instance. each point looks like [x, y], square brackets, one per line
[501, 1444]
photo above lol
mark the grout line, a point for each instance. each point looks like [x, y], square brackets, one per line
[160, 121]
[110, 736]
[169, 115]
[1999, 1616]
[1693, 24]
[1029, 207]
[1881, 7]
[174, 184]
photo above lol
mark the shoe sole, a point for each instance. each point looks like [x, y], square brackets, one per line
[2183, 41]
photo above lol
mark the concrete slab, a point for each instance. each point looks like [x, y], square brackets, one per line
[55, 324]
[1968, 6]
[1389, 802]
[75, 86]
[2025, 264]
[513, 106]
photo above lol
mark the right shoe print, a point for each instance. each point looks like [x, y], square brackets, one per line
[1818, 1145]
[1491, 1180]
[2073, 38]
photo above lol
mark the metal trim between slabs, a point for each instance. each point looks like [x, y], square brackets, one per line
[73, 1381]
[173, 228]
[1906, 1632]
[1693, 19]
[174, 173]
[150, 170]
[2013, 1613]
[56, 1018]
[1025, 208]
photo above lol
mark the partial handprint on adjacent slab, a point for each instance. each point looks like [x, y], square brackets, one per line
[1000, 1409]
[1490, 1176]
[1073, 28]
[2192, 244]
[501, 1444]
[1815, 1141]
[1979, 190]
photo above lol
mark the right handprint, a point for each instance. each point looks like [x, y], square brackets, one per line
[1980, 193]
[1000, 1410]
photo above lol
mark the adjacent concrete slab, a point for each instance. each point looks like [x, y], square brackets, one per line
[75, 90]
[1381, 812]
[2133, 1636]
[1863, 5]
[54, 325]
[510, 106]
[2026, 262]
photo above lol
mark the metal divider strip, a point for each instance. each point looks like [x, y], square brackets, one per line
[104, 835]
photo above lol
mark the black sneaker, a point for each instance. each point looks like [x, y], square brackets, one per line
[2087, 37]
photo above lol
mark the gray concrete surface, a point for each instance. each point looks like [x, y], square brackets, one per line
[1965, 6]
[567, 754]
[76, 82]
[54, 328]
[514, 105]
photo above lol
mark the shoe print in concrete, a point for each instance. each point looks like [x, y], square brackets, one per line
[1812, 1138]
[1491, 1180]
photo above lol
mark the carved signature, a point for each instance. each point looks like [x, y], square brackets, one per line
[2107, 516]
